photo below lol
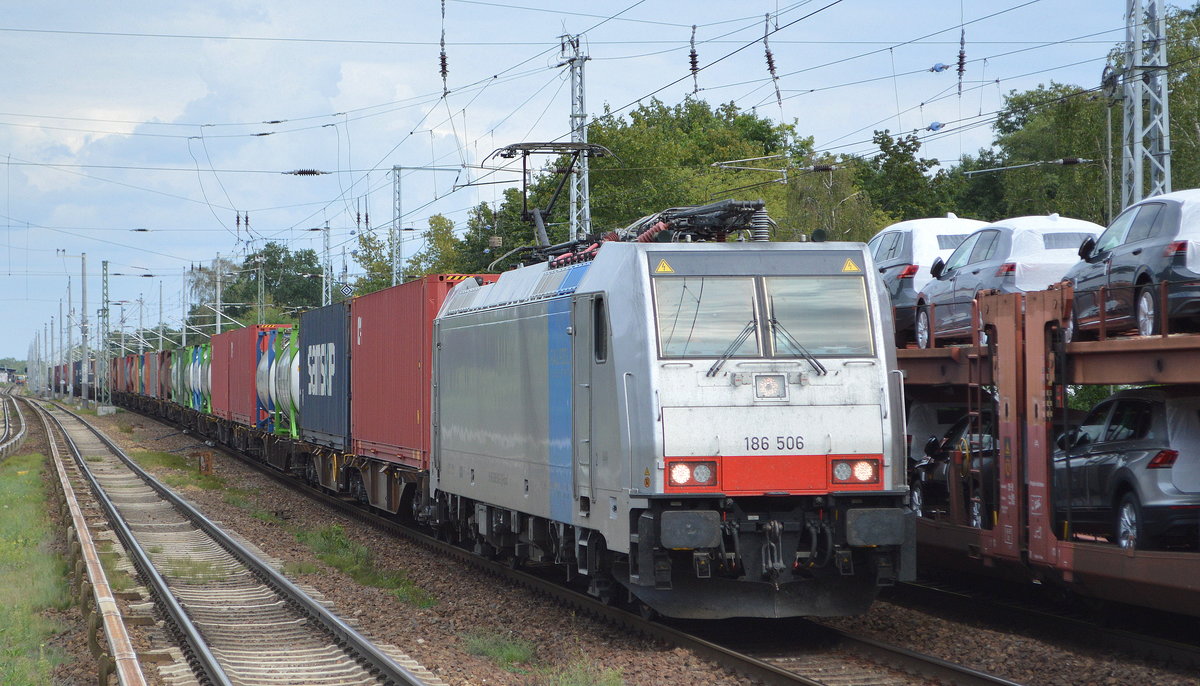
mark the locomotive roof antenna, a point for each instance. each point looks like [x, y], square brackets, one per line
[576, 152]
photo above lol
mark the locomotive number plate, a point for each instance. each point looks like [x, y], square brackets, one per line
[778, 443]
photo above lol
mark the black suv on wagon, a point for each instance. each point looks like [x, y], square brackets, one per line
[1153, 242]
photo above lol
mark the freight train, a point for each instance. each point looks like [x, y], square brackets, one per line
[708, 429]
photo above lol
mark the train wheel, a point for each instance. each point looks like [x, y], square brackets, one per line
[645, 611]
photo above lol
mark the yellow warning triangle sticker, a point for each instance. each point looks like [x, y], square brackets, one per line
[663, 268]
[850, 266]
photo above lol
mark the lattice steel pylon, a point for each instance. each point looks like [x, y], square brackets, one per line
[1147, 135]
[580, 209]
[104, 387]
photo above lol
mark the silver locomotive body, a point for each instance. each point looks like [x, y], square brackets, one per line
[715, 427]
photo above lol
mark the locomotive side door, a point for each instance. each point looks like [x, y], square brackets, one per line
[584, 348]
[581, 401]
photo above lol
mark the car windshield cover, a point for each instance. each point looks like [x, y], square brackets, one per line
[704, 316]
[1064, 241]
[826, 314]
[950, 241]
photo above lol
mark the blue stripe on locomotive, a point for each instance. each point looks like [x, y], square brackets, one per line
[558, 359]
[571, 281]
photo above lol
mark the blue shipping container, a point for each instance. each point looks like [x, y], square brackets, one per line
[325, 375]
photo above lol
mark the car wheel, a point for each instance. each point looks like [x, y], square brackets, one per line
[1129, 528]
[923, 335]
[916, 498]
[975, 513]
[1147, 312]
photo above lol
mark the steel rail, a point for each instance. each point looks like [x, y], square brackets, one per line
[346, 637]
[927, 666]
[11, 442]
[1051, 621]
[124, 656]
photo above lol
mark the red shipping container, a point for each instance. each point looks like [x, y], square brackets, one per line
[391, 355]
[234, 363]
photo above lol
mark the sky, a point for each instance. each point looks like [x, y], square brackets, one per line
[139, 132]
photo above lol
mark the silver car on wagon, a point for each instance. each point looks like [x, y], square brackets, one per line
[1131, 471]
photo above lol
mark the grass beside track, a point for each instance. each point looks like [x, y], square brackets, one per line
[32, 579]
[333, 547]
[518, 655]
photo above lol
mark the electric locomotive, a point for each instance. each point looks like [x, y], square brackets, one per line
[714, 428]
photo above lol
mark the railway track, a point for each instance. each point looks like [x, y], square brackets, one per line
[238, 620]
[14, 423]
[813, 655]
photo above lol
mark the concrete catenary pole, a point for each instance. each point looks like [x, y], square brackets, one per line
[83, 331]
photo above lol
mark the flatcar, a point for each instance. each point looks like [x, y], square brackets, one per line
[712, 429]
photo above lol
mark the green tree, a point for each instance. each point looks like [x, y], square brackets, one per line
[486, 226]
[829, 201]
[202, 288]
[291, 280]
[1047, 124]
[902, 184]
[440, 253]
[664, 156]
[374, 255]
[981, 195]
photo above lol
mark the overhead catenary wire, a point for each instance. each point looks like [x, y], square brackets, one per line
[345, 170]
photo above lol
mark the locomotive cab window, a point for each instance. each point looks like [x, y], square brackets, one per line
[706, 316]
[827, 315]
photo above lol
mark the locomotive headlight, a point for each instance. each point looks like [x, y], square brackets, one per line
[864, 471]
[842, 471]
[680, 474]
[770, 386]
[692, 474]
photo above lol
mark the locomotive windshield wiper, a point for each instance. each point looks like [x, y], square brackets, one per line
[737, 343]
[800, 350]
